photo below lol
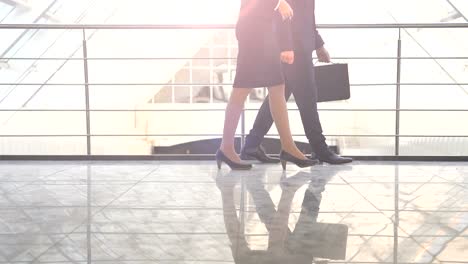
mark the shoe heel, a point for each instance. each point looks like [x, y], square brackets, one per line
[283, 164]
[219, 162]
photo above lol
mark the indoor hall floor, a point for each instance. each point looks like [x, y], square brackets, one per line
[141, 212]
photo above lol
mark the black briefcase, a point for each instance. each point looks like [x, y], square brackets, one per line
[332, 82]
[321, 240]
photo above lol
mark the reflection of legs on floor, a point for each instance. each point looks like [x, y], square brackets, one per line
[231, 220]
[283, 245]
[280, 230]
[308, 216]
[309, 210]
[262, 200]
[276, 222]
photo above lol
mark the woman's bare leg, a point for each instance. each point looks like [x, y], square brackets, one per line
[279, 112]
[233, 112]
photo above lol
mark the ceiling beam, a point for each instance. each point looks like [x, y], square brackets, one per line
[17, 3]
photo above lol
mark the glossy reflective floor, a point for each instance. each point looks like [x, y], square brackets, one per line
[188, 212]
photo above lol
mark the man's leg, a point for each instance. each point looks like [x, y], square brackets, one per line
[305, 93]
[261, 126]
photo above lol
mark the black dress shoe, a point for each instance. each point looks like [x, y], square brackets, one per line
[328, 156]
[286, 157]
[257, 153]
[220, 158]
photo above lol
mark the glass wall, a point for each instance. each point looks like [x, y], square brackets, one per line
[161, 87]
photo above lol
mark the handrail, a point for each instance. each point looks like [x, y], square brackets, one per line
[214, 84]
[218, 135]
[234, 58]
[83, 27]
[219, 26]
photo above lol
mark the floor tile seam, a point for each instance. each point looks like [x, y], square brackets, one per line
[100, 210]
[375, 235]
[367, 200]
[110, 207]
[421, 246]
[23, 212]
[86, 220]
[63, 206]
[366, 241]
[422, 184]
[107, 250]
[441, 249]
[430, 210]
[217, 261]
[358, 251]
[82, 184]
[401, 183]
[427, 210]
[461, 184]
[40, 180]
[458, 191]
[213, 182]
[151, 260]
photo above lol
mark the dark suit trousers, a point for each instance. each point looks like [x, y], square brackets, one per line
[300, 81]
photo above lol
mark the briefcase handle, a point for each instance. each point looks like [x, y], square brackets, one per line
[318, 63]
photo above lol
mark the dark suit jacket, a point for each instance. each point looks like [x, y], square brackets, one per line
[300, 33]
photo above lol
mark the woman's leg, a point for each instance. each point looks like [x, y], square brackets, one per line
[233, 111]
[279, 112]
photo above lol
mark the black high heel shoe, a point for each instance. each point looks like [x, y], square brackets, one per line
[285, 157]
[220, 158]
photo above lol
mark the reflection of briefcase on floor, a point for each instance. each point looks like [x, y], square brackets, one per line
[332, 82]
[321, 240]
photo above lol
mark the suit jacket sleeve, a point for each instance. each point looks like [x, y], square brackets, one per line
[284, 33]
[318, 39]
